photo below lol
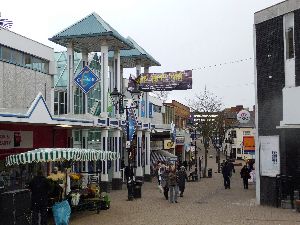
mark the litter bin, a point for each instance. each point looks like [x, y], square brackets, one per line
[209, 173]
[138, 189]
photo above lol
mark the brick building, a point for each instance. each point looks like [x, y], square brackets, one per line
[277, 80]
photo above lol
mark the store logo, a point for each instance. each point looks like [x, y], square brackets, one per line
[5, 23]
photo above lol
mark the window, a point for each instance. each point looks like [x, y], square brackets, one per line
[60, 102]
[238, 151]
[6, 54]
[28, 62]
[290, 43]
[246, 133]
[233, 134]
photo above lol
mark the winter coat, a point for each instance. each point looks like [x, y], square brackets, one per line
[165, 179]
[39, 187]
[182, 177]
[226, 170]
[245, 173]
[172, 179]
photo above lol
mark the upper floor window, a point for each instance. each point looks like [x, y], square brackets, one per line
[60, 102]
[290, 43]
[246, 133]
[233, 134]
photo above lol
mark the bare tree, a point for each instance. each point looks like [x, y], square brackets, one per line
[206, 107]
[162, 95]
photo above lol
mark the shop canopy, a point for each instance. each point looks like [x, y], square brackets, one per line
[162, 156]
[60, 154]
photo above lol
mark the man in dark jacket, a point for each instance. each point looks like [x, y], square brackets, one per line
[245, 175]
[226, 175]
[182, 177]
[39, 187]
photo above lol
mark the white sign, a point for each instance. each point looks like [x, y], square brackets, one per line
[16, 139]
[127, 144]
[269, 156]
[243, 116]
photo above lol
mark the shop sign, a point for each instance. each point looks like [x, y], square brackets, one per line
[16, 139]
[243, 116]
[269, 153]
[168, 144]
[180, 80]
[179, 140]
[86, 79]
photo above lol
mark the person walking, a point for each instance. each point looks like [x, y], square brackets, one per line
[39, 187]
[245, 175]
[226, 175]
[231, 168]
[165, 182]
[173, 186]
[182, 177]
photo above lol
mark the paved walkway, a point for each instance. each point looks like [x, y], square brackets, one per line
[205, 202]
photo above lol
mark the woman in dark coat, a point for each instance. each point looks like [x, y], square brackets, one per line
[181, 178]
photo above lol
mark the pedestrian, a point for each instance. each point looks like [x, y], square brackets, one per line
[182, 177]
[231, 167]
[190, 165]
[226, 175]
[245, 175]
[165, 182]
[172, 186]
[185, 164]
[39, 187]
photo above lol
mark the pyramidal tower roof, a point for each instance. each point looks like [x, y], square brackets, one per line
[89, 33]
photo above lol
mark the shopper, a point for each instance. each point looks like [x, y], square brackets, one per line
[245, 175]
[39, 187]
[165, 182]
[182, 177]
[173, 186]
[226, 175]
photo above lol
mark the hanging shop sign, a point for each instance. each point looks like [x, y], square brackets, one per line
[169, 144]
[243, 116]
[180, 80]
[249, 145]
[86, 79]
[16, 139]
[269, 156]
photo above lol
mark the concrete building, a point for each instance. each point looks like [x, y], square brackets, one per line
[277, 80]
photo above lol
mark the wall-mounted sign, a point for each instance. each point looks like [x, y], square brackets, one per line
[269, 156]
[16, 139]
[168, 144]
[180, 80]
[143, 112]
[179, 140]
[86, 79]
[243, 116]
[249, 145]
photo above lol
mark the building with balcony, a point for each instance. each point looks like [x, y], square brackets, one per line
[277, 83]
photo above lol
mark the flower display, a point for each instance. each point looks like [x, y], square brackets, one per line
[75, 176]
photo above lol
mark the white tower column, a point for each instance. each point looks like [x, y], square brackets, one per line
[147, 152]
[146, 70]
[104, 76]
[70, 60]
[104, 142]
[138, 156]
[138, 72]
[117, 150]
[85, 62]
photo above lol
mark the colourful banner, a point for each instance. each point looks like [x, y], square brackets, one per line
[180, 80]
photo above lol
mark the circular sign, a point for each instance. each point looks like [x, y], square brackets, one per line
[243, 116]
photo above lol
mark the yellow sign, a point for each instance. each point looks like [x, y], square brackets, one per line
[168, 144]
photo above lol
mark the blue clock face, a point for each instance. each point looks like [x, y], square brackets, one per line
[86, 79]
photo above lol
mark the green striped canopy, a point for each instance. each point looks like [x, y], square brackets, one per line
[60, 154]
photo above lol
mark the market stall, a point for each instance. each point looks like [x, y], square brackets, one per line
[82, 190]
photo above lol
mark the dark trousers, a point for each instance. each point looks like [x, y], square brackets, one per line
[39, 212]
[166, 192]
[227, 182]
[245, 182]
[181, 189]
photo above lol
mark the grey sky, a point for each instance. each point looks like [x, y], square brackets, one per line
[179, 34]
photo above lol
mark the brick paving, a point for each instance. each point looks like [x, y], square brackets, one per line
[205, 202]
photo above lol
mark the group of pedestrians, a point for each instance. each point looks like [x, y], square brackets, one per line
[228, 169]
[172, 180]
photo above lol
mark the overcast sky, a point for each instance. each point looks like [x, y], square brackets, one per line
[179, 34]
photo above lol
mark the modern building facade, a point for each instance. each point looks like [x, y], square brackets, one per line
[277, 80]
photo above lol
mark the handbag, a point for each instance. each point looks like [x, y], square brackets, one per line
[61, 212]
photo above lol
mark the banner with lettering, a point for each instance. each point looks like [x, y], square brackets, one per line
[16, 139]
[168, 81]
